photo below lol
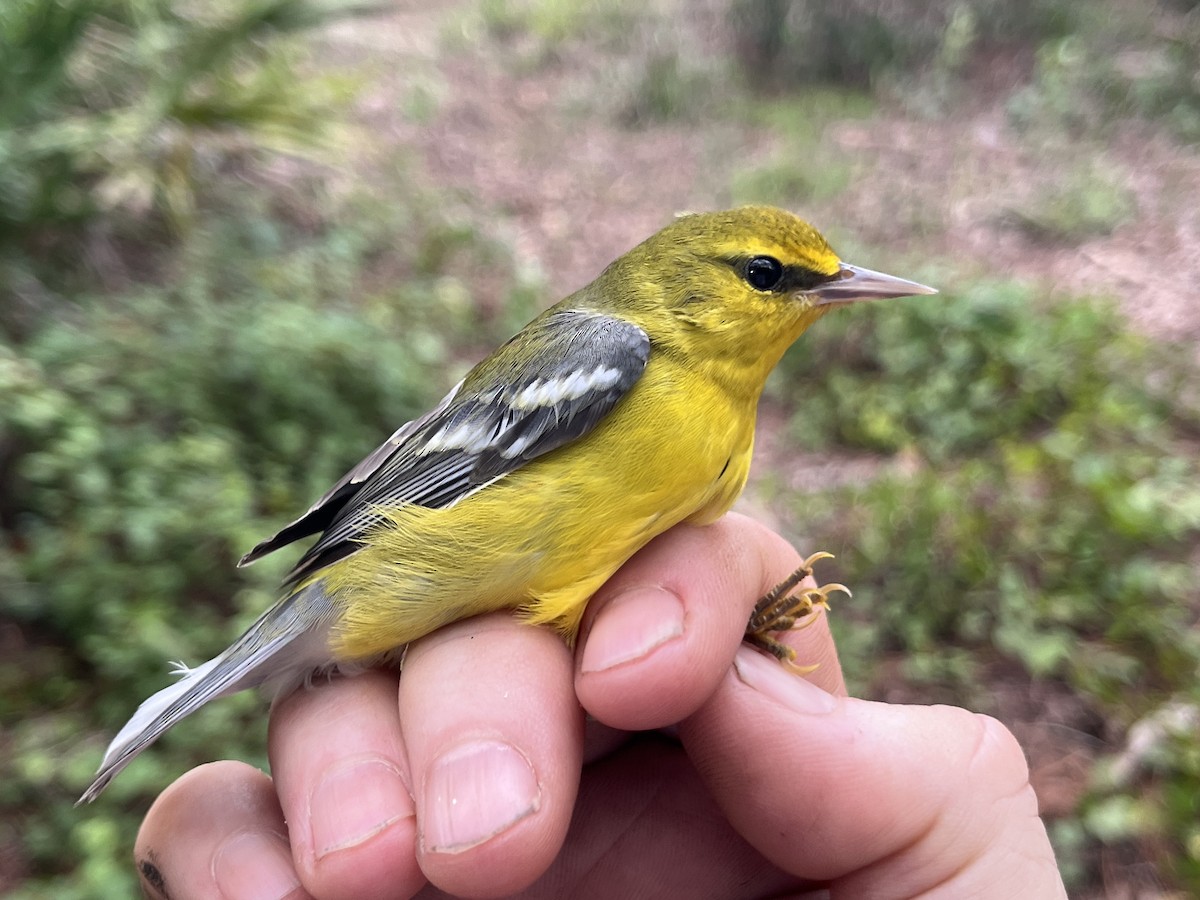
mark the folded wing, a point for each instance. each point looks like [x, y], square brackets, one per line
[512, 408]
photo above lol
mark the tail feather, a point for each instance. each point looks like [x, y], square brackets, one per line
[281, 649]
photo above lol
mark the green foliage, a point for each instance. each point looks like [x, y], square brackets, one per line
[955, 373]
[146, 441]
[807, 166]
[1151, 788]
[642, 63]
[790, 180]
[1066, 91]
[668, 87]
[1127, 61]
[784, 43]
[154, 429]
[1161, 82]
[120, 106]
[555, 21]
[780, 44]
[1087, 201]
[1043, 506]
[151, 436]
[1069, 557]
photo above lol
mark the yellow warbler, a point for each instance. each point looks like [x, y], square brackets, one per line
[619, 412]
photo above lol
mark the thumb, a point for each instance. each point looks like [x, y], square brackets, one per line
[873, 798]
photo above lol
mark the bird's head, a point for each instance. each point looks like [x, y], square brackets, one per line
[753, 278]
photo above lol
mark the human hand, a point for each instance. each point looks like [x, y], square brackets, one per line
[477, 775]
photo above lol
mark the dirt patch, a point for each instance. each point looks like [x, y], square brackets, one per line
[572, 188]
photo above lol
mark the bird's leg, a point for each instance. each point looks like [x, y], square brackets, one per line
[782, 607]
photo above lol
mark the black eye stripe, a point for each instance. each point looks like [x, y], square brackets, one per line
[765, 273]
[799, 278]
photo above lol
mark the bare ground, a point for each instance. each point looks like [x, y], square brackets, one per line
[572, 188]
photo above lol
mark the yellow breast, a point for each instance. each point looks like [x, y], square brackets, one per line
[545, 537]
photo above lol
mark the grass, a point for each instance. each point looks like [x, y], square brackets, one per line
[805, 167]
[1089, 200]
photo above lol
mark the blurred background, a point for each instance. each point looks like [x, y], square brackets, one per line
[241, 240]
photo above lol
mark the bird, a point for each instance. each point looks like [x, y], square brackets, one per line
[617, 413]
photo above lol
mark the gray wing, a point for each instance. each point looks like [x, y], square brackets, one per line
[506, 412]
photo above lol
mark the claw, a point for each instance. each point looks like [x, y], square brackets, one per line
[819, 596]
[792, 666]
[816, 557]
[781, 610]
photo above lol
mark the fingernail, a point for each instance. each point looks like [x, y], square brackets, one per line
[473, 793]
[631, 625]
[772, 680]
[254, 865]
[355, 801]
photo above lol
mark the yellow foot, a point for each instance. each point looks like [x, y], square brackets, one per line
[780, 609]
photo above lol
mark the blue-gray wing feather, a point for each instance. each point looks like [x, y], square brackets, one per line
[509, 410]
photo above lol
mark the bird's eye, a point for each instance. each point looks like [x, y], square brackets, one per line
[764, 273]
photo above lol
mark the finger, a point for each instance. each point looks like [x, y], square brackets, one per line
[494, 737]
[661, 634]
[217, 832]
[882, 800]
[342, 777]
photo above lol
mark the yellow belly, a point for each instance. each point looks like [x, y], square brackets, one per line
[544, 538]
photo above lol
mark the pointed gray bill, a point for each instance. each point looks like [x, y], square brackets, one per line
[855, 283]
